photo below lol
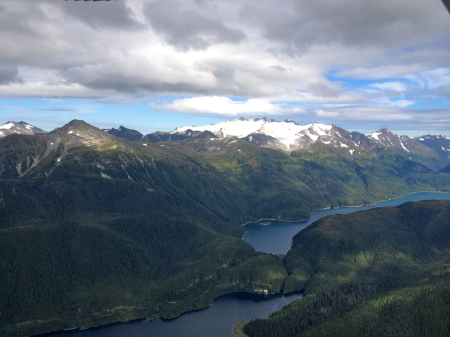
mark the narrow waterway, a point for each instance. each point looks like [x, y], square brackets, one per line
[219, 319]
[215, 321]
[275, 237]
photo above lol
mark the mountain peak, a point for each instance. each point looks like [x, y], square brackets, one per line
[288, 120]
[81, 132]
[77, 123]
[123, 132]
[21, 127]
[382, 132]
[287, 132]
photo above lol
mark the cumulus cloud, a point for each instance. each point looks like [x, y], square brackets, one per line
[8, 74]
[293, 57]
[225, 106]
[298, 25]
[321, 89]
[114, 15]
[188, 28]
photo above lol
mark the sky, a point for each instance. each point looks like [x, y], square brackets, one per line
[154, 65]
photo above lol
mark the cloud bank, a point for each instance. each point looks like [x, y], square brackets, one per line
[230, 57]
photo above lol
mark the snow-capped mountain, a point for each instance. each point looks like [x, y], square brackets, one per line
[21, 128]
[289, 137]
[390, 140]
[290, 134]
[440, 144]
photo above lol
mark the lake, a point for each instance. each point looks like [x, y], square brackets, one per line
[215, 321]
[275, 237]
[219, 319]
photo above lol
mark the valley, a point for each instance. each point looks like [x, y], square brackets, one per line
[98, 229]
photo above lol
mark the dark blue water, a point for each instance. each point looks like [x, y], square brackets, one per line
[215, 321]
[276, 237]
[219, 319]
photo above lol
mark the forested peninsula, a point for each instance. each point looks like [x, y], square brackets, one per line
[381, 272]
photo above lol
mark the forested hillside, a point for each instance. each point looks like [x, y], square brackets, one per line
[382, 272]
[95, 229]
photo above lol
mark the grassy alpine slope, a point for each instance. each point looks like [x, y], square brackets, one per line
[381, 272]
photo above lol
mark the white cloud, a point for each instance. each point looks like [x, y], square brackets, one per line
[322, 113]
[385, 101]
[225, 106]
[391, 86]
[380, 71]
[287, 58]
[431, 79]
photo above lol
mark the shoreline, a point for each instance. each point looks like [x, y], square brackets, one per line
[238, 329]
[326, 208]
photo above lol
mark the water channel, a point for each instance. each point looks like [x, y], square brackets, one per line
[275, 237]
[219, 319]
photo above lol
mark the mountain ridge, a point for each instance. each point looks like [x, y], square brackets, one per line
[288, 136]
[98, 229]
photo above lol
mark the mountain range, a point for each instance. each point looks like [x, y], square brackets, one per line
[96, 228]
[288, 136]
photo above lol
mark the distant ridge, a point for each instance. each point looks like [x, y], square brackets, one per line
[21, 128]
[289, 136]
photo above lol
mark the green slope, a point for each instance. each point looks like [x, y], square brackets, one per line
[117, 233]
[96, 229]
[382, 272]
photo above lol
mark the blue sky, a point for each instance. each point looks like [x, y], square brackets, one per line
[154, 65]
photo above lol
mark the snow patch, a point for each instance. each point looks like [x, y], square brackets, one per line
[285, 132]
[375, 135]
[70, 132]
[7, 126]
[403, 146]
[351, 151]
[344, 145]
[144, 144]
[105, 175]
